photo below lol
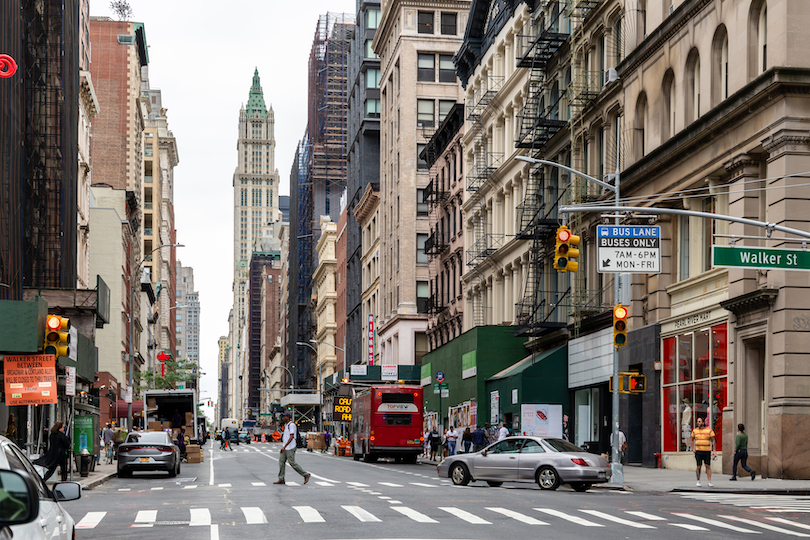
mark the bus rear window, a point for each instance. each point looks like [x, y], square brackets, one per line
[397, 398]
[397, 419]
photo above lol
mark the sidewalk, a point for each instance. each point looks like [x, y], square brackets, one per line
[643, 479]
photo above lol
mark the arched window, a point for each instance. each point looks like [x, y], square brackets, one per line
[640, 126]
[719, 80]
[762, 39]
[692, 86]
[641, 21]
[618, 39]
[757, 38]
[668, 94]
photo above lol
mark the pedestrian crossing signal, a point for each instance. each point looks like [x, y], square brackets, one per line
[637, 383]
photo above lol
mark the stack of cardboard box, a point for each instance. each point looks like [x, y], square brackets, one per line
[194, 453]
[316, 441]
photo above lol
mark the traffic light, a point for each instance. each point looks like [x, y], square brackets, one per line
[57, 335]
[564, 252]
[637, 383]
[619, 325]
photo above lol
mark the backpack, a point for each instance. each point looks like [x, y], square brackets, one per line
[299, 441]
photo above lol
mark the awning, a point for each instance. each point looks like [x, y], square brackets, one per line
[122, 408]
[526, 363]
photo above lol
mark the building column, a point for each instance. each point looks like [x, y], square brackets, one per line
[508, 303]
[744, 202]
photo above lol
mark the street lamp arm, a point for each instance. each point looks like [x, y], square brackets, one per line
[528, 159]
[325, 343]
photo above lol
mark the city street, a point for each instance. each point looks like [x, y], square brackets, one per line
[231, 496]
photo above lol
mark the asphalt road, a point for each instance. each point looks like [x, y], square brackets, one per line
[232, 497]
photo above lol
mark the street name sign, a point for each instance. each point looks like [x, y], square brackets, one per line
[760, 258]
[632, 249]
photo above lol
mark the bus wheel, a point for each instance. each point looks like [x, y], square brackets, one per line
[411, 459]
[369, 458]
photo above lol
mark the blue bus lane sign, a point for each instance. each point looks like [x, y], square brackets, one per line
[632, 249]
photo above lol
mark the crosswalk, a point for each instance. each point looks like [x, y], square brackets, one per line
[627, 520]
[771, 503]
[366, 488]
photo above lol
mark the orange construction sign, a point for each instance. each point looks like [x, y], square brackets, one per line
[30, 379]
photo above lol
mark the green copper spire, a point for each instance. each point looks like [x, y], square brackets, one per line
[256, 99]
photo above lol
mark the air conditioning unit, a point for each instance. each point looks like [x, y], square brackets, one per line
[610, 76]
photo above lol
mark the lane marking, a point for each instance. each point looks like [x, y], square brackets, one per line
[124, 489]
[293, 484]
[573, 519]
[423, 485]
[788, 522]
[200, 517]
[309, 514]
[766, 526]
[389, 484]
[258, 484]
[254, 515]
[618, 520]
[689, 527]
[225, 485]
[708, 521]
[190, 487]
[90, 520]
[517, 515]
[356, 484]
[211, 473]
[362, 515]
[413, 514]
[325, 484]
[157, 489]
[394, 502]
[145, 518]
[214, 532]
[466, 516]
[644, 515]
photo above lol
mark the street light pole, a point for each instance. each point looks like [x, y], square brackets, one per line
[132, 284]
[617, 470]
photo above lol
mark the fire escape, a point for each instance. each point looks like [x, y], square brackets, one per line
[539, 121]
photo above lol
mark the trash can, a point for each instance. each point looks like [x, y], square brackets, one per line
[84, 463]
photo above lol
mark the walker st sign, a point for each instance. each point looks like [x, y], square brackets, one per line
[760, 258]
[632, 249]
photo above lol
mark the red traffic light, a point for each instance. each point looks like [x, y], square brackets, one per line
[563, 235]
[54, 322]
[620, 312]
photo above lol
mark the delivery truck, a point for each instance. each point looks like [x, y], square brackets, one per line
[172, 410]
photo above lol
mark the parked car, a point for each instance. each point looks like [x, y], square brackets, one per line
[547, 461]
[244, 436]
[148, 451]
[51, 520]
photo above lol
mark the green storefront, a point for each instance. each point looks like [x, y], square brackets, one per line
[541, 378]
[466, 363]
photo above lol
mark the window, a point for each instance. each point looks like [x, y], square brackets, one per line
[449, 24]
[762, 39]
[421, 205]
[372, 108]
[447, 70]
[422, 293]
[532, 447]
[421, 256]
[372, 18]
[425, 24]
[369, 51]
[372, 78]
[421, 164]
[424, 112]
[694, 380]
[692, 86]
[719, 68]
[148, 149]
[426, 67]
[444, 108]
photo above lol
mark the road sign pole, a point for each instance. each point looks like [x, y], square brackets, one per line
[617, 472]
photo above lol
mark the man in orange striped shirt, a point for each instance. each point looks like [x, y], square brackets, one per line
[703, 441]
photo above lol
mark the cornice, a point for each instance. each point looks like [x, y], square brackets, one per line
[759, 299]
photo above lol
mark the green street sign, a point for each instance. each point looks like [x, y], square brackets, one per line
[444, 386]
[435, 388]
[760, 258]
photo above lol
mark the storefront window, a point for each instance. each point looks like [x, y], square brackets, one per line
[699, 389]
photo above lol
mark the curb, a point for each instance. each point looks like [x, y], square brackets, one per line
[97, 481]
[763, 491]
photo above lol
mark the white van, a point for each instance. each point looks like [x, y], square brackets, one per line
[229, 423]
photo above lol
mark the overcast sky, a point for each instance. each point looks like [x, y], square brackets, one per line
[202, 54]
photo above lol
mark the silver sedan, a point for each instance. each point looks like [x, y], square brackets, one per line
[547, 461]
[148, 451]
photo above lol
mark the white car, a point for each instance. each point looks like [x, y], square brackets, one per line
[53, 522]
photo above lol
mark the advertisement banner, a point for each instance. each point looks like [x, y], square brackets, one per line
[389, 373]
[541, 420]
[70, 381]
[371, 339]
[30, 379]
[83, 434]
[128, 394]
[358, 369]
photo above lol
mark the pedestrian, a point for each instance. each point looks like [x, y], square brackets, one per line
[503, 432]
[327, 440]
[57, 454]
[452, 438]
[288, 444]
[479, 439]
[427, 443]
[435, 443]
[741, 454]
[181, 443]
[466, 440]
[622, 445]
[490, 432]
[703, 441]
[107, 435]
[226, 439]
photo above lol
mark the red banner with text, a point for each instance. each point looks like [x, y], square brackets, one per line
[30, 379]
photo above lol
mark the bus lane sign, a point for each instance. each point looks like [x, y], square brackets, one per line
[30, 379]
[632, 249]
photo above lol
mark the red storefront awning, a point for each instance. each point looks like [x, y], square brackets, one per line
[122, 408]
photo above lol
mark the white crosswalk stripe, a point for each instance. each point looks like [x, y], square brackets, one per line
[325, 484]
[200, 517]
[423, 485]
[389, 484]
[413, 514]
[772, 503]
[766, 526]
[709, 521]
[466, 516]
[573, 519]
[309, 514]
[90, 520]
[620, 521]
[645, 515]
[254, 515]
[361, 514]
[145, 518]
[788, 522]
[258, 484]
[517, 515]
[689, 526]
[356, 484]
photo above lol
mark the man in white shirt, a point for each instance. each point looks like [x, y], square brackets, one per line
[288, 450]
[452, 437]
[503, 432]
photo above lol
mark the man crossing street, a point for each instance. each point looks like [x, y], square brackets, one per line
[288, 450]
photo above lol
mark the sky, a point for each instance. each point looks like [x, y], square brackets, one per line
[202, 54]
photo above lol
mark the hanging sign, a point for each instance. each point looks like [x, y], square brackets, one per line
[30, 379]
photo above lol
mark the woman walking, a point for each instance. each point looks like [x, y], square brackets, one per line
[466, 440]
[741, 454]
[57, 454]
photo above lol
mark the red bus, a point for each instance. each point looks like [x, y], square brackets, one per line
[387, 422]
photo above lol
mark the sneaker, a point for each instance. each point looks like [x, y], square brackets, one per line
[753, 475]
[710, 484]
[733, 479]
[698, 483]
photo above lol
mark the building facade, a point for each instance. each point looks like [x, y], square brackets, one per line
[367, 215]
[325, 280]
